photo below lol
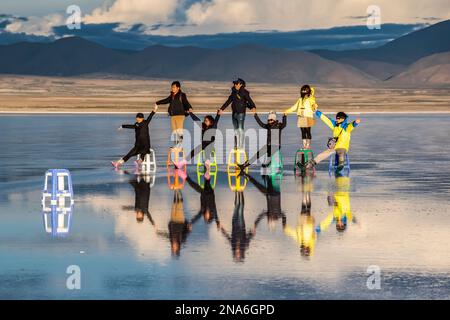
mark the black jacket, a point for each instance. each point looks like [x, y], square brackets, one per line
[178, 104]
[277, 127]
[211, 136]
[141, 132]
[240, 101]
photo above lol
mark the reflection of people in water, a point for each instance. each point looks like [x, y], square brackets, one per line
[304, 233]
[179, 226]
[273, 198]
[240, 238]
[340, 200]
[141, 201]
[208, 207]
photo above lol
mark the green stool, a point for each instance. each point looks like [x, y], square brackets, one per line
[303, 156]
[202, 159]
[276, 165]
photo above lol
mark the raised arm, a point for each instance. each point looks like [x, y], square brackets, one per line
[149, 118]
[195, 118]
[330, 123]
[194, 185]
[283, 122]
[261, 124]
[353, 125]
[257, 184]
[216, 120]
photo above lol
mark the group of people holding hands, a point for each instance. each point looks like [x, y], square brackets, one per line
[241, 101]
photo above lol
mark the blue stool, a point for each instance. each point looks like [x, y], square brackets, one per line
[58, 190]
[57, 201]
[334, 163]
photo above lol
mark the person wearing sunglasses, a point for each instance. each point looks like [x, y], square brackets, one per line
[340, 142]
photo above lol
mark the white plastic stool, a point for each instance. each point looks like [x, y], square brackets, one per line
[149, 164]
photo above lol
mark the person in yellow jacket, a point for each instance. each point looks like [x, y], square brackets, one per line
[305, 108]
[304, 233]
[340, 143]
[342, 214]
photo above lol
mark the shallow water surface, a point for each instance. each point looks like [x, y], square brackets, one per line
[282, 238]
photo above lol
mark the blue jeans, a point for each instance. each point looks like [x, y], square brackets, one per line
[238, 125]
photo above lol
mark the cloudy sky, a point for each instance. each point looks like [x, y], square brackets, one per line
[181, 17]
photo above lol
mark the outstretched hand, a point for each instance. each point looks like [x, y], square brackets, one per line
[155, 108]
[358, 121]
[190, 110]
[220, 112]
[119, 128]
[254, 110]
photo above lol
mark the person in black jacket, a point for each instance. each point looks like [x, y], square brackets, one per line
[208, 208]
[179, 107]
[142, 144]
[240, 101]
[273, 144]
[273, 198]
[209, 128]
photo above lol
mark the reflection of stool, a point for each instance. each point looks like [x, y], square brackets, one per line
[58, 191]
[202, 159]
[236, 181]
[175, 156]
[334, 163]
[201, 179]
[148, 165]
[302, 157]
[235, 158]
[276, 165]
[148, 178]
[57, 220]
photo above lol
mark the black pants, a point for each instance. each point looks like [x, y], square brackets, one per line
[306, 133]
[143, 151]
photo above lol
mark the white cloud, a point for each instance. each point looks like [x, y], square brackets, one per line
[134, 11]
[40, 26]
[224, 16]
[251, 15]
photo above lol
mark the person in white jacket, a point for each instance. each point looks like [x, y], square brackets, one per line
[305, 108]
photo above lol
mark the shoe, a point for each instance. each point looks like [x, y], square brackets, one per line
[181, 174]
[116, 164]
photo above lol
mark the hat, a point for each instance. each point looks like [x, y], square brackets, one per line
[341, 115]
[272, 116]
[140, 116]
[239, 81]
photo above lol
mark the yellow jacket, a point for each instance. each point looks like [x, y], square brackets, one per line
[304, 107]
[342, 210]
[342, 132]
[304, 234]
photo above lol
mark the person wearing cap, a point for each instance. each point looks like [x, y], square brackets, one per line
[142, 144]
[273, 144]
[305, 107]
[340, 143]
[179, 108]
[240, 101]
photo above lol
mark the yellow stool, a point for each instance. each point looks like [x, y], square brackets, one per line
[237, 182]
[235, 158]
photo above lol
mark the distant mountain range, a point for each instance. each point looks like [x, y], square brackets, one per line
[421, 57]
